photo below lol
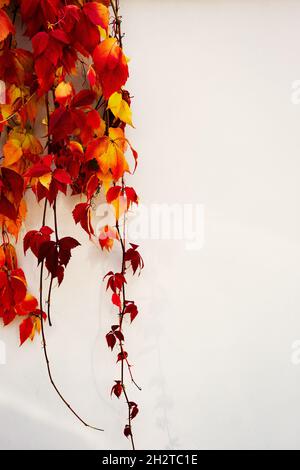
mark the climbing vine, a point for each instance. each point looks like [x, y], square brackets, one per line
[63, 118]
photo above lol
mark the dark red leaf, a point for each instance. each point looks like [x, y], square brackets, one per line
[83, 98]
[7, 208]
[65, 246]
[111, 340]
[132, 309]
[127, 431]
[117, 389]
[135, 259]
[122, 356]
[119, 335]
[133, 409]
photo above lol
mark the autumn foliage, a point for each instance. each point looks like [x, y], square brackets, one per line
[82, 150]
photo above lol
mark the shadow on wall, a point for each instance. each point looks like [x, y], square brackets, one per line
[49, 436]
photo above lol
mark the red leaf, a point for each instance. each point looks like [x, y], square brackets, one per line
[127, 431]
[25, 329]
[80, 211]
[132, 310]
[60, 273]
[47, 231]
[113, 193]
[33, 239]
[62, 176]
[40, 168]
[44, 249]
[131, 196]
[7, 208]
[133, 409]
[61, 123]
[97, 13]
[117, 389]
[92, 186]
[83, 98]
[82, 215]
[65, 246]
[68, 243]
[134, 258]
[119, 335]
[116, 300]
[13, 182]
[111, 340]
[39, 43]
[122, 356]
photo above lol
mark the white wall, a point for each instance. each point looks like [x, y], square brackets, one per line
[213, 344]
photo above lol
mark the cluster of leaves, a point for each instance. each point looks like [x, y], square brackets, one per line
[15, 300]
[82, 150]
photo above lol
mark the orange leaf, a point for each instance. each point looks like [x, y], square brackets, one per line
[6, 26]
[12, 152]
[2, 257]
[28, 305]
[111, 66]
[4, 3]
[107, 237]
[97, 13]
[64, 92]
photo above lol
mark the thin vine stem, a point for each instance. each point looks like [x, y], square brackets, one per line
[52, 279]
[44, 341]
[48, 362]
[49, 302]
[118, 33]
[121, 318]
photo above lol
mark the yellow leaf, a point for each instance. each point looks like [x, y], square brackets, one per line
[6, 111]
[117, 137]
[103, 33]
[32, 144]
[13, 93]
[27, 141]
[125, 113]
[12, 152]
[45, 180]
[120, 206]
[114, 103]
[36, 327]
[120, 108]
[64, 92]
